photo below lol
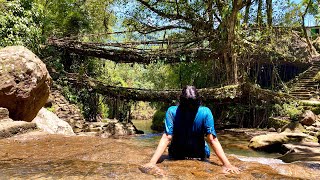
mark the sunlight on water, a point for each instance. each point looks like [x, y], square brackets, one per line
[237, 145]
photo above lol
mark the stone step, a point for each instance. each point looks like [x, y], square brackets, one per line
[307, 84]
[312, 88]
[300, 94]
[300, 90]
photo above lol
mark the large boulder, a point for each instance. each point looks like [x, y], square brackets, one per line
[308, 118]
[307, 151]
[24, 83]
[50, 123]
[273, 142]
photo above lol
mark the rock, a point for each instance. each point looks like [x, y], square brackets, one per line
[310, 128]
[272, 142]
[316, 44]
[112, 128]
[309, 151]
[66, 111]
[293, 127]
[308, 118]
[272, 130]
[50, 123]
[4, 113]
[316, 124]
[24, 83]
[49, 102]
[10, 128]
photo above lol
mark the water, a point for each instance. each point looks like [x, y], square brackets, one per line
[236, 145]
[43, 156]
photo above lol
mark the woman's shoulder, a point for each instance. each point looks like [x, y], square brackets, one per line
[173, 108]
[204, 109]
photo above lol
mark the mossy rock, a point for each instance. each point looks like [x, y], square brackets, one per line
[277, 122]
[309, 103]
[158, 120]
[294, 127]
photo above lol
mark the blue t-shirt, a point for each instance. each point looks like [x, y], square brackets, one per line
[188, 129]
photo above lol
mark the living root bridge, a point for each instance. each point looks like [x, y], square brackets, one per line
[122, 53]
[223, 94]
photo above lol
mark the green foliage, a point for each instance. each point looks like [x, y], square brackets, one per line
[104, 109]
[152, 76]
[293, 110]
[52, 109]
[158, 120]
[19, 24]
[63, 17]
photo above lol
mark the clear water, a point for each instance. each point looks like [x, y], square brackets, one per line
[236, 145]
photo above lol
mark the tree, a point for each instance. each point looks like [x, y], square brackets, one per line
[19, 24]
[269, 12]
[259, 13]
[247, 12]
[312, 7]
[197, 22]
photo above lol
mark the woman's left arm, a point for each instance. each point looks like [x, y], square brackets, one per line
[163, 144]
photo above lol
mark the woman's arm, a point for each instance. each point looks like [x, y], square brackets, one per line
[216, 146]
[164, 142]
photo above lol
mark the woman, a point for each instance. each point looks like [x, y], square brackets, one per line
[186, 126]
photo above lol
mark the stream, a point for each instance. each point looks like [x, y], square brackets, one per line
[36, 155]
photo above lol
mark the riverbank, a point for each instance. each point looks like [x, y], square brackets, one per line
[36, 155]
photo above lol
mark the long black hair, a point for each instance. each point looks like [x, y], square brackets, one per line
[186, 142]
[189, 98]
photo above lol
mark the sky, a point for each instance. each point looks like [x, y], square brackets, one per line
[120, 13]
[310, 21]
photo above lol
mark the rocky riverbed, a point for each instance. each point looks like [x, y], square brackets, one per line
[37, 155]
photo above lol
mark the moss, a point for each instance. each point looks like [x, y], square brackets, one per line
[317, 77]
[158, 120]
[309, 103]
[315, 110]
[277, 122]
[292, 109]
[294, 126]
[52, 109]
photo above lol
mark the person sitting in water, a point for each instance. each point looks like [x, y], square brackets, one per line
[186, 126]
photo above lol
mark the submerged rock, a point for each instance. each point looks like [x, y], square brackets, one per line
[24, 83]
[50, 123]
[112, 128]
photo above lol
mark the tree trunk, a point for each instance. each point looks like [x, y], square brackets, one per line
[269, 12]
[246, 15]
[259, 13]
[229, 55]
[304, 28]
[210, 13]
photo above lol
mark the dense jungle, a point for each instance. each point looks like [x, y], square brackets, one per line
[85, 85]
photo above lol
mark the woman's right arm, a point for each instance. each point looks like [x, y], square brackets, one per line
[217, 148]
